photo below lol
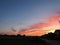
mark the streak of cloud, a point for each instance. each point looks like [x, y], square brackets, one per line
[13, 29]
[52, 23]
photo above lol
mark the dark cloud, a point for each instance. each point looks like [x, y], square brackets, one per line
[13, 29]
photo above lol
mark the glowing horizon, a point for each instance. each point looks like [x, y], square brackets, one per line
[29, 16]
[44, 28]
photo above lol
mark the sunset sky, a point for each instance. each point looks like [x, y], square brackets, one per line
[29, 16]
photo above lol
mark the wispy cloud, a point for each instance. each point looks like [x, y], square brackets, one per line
[42, 27]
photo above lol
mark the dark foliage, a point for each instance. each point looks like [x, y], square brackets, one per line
[28, 40]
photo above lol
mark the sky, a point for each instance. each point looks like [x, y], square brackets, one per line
[52, 24]
[21, 14]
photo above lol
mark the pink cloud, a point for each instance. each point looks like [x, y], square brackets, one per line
[37, 29]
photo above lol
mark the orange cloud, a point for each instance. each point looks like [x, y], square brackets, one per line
[42, 28]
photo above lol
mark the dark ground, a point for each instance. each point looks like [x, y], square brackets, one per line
[21, 40]
[47, 39]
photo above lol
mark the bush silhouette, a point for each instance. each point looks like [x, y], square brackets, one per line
[26, 40]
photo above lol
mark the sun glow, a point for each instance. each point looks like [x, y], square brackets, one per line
[43, 28]
[52, 31]
[54, 28]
